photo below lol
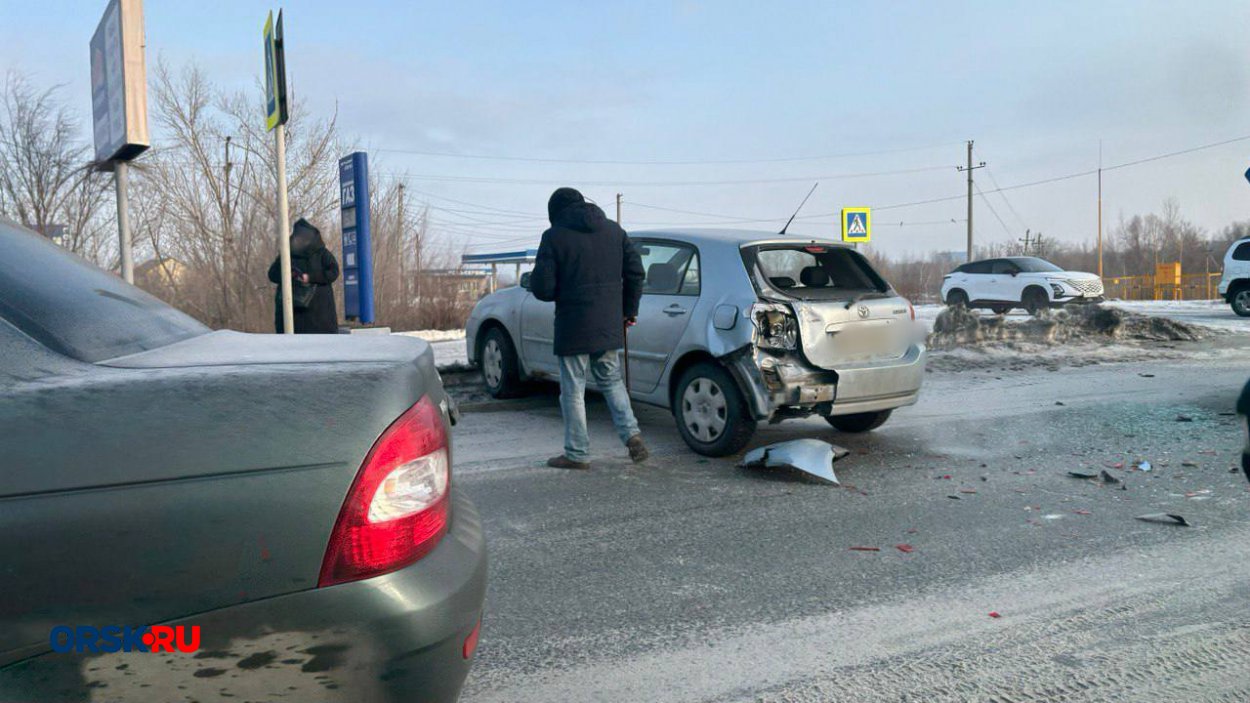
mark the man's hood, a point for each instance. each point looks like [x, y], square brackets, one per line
[584, 217]
[305, 238]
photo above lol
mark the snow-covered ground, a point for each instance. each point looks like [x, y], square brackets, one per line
[434, 335]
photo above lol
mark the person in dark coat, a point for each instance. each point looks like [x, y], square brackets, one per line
[588, 266]
[313, 269]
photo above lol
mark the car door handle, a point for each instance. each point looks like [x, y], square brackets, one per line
[674, 310]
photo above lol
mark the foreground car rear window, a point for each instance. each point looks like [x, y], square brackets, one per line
[77, 309]
[812, 272]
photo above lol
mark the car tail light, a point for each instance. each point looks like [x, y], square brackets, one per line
[912, 310]
[470, 642]
[398, 507]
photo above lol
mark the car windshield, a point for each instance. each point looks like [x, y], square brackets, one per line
[812, 271]
[78, 310]
[1032, 264]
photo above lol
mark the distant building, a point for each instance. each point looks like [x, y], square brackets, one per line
[165, 272]
[56, 233]
[952, 258]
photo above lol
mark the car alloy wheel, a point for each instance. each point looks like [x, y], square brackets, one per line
[1241, 302]
[492, 363]
[704, 409]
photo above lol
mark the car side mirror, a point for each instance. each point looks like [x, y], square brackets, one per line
[525, 280]
[1015, 273]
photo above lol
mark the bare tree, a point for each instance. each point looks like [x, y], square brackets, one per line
[47, 179]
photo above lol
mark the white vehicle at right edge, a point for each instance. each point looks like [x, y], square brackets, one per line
[1018, 282]
[1235, 283]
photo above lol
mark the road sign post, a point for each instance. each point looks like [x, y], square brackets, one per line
[856, 224]
[119, 106]
[275, 120]
[357, 246]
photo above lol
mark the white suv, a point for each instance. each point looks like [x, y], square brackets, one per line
[1235, 284]
[1018, 281]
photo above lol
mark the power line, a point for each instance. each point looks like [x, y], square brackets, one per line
[615, 162]
[988, 204]
[989, 172]
[667, 184]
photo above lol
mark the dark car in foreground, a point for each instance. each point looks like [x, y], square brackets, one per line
[285, 505]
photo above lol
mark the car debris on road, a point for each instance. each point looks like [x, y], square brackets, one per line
[812, 457]
[1165, 519]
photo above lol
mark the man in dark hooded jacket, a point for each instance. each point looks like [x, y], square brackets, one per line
[588, 266]
[313, 269]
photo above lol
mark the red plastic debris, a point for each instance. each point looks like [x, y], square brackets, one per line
[905, 548]
[1080, 512]
[865, 549]
[994, 614]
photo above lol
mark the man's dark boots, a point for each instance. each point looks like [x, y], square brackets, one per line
[637, 450]
[563, 462]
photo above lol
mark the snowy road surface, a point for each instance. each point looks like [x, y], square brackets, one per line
[693, 580]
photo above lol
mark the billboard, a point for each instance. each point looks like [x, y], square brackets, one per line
[275, 73]
[119, 96]
[357, 250]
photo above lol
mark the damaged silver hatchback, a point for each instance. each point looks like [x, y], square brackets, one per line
[735, 328]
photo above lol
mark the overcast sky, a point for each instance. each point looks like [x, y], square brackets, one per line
[898, 86]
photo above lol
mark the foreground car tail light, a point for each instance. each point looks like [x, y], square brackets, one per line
[912, 310]
[398, 507]
[470, 642]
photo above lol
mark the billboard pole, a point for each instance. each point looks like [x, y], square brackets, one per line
[120, 179]
[119, 107]
[284, 231]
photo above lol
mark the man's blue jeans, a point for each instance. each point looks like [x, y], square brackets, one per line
[605, 371]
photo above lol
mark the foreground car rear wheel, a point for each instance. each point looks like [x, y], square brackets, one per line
[1240, 301]
[711, 413]
[859, 422]
[499, 364]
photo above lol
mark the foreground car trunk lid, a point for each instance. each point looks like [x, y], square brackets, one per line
[835, 334]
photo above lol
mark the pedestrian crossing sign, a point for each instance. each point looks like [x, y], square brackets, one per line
[856, 224]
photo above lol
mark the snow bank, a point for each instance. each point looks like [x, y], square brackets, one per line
[434, 335]
[959, 327]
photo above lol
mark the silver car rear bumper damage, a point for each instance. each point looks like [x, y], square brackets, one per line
[784, 385]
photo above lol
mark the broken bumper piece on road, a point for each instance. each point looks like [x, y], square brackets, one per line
[810, 457]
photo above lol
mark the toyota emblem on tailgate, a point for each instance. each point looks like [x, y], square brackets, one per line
[863, 311]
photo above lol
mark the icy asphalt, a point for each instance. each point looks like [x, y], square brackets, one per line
[693, 580]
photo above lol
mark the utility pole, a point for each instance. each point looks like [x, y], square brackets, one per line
[1026, 242]
[969, 169]
[1099, 208]
[227, 238]
[618, 209]
[403, 248]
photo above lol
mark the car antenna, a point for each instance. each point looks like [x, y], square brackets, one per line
[796, 212]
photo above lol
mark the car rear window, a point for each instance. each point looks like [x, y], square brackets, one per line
[1242, 252]
[811, 271]
[76, 309]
